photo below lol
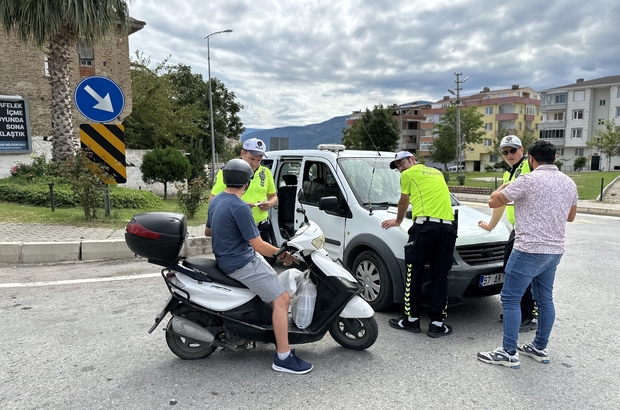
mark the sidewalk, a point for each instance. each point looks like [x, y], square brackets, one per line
[39, 243]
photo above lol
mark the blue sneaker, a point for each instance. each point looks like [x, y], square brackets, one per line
[292, 364]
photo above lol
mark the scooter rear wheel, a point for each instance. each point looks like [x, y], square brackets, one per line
[188, 349]
[356, 334]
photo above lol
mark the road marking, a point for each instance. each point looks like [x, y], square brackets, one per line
[78, 281]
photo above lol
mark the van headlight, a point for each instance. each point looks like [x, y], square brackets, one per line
[319, 242]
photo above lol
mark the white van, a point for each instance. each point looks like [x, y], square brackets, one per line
[367, 192]
[454, 168]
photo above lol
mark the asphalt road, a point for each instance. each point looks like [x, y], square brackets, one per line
[74, 336]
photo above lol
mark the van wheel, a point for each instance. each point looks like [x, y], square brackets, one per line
[370, 269]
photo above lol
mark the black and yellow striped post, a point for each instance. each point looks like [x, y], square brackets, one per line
[106, 146]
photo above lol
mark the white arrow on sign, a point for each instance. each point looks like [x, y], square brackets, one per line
[103, 103]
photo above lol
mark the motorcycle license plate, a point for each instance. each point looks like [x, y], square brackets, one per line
[161, 315]
[488, 280]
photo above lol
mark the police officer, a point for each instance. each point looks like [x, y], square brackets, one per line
[512, 150]
[261, 195]
[431, 239]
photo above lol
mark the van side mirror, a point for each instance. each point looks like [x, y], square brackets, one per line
[329, 203]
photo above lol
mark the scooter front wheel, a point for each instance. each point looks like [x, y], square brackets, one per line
[355, 333]
[188, 349]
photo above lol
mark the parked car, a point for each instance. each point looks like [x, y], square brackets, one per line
[367, 192]
[454, 168]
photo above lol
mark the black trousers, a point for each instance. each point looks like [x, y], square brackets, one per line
[431, 243]
[528, 307]
[264, 228]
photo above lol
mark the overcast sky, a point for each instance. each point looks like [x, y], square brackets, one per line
[306, 61]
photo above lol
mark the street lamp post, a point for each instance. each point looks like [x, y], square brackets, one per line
[458, 102]
[211, 102]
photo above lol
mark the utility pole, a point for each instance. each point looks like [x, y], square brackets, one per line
[458, 103]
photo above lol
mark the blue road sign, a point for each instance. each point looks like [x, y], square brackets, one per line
[99, 99]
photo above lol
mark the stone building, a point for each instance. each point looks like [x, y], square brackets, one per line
[23, 71]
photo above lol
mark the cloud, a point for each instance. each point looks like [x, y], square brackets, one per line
[297, 63]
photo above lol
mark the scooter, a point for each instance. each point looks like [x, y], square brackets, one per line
[210, 309]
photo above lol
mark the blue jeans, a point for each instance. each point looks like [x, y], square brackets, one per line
[522, 269]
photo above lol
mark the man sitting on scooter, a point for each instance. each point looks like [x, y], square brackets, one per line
[237, 246]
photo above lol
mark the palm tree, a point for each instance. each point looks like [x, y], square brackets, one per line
[59, 24]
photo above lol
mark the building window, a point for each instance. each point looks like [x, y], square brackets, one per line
[518, 93]
[488, 143]
[576, 133]
[601, 121]
[558, 116]
[493, 158]
[601, 102]
[579, 152]
[618, 110]
[488, 110]
[556, 99]
[579, 96]
[577, 114]
[488, 126]
[87, 53]
[561, 151]
[530, 110]
[519, 125]
[520, 109]
[552, 134]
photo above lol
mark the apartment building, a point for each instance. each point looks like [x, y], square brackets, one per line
[410, 119]
[516, 110]
[23, 72]
[571, 115]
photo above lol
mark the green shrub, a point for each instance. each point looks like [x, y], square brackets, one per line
[461, 179]
[130, 199]
[579, 163]
[37, 194]
[446, 176]
[190, 198]
[489, 168]
[558, 164]
[39, 167]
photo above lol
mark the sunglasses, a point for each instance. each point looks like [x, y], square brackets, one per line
[512, 151]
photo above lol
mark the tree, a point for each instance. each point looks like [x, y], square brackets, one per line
[376, 130]
[171, 108]
[444, 150]
[58, 25]
[608, 141]
[165, 165]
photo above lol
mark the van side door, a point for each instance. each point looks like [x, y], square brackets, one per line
[319, 180]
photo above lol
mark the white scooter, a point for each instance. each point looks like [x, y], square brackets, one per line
[210, 310]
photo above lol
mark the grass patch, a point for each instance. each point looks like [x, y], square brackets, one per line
[16, 213]
[588, 183]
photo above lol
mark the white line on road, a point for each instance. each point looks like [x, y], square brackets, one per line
[78, 281]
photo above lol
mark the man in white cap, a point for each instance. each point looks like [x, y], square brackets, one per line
[431, 239]
[261, 195]
[512, 150]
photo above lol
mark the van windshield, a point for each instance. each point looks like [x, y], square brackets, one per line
[382, 188]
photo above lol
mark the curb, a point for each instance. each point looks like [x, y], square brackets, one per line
[86, 250]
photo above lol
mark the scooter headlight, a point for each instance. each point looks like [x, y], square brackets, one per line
[319, 242]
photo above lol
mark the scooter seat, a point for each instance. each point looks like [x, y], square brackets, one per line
[210, 269]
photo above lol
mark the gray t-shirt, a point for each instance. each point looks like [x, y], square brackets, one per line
[232, 227]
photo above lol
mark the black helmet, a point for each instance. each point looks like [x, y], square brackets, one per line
[237, 173]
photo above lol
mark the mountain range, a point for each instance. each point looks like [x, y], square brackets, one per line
[303, 137]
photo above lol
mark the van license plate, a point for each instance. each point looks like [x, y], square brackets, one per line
[488, 280]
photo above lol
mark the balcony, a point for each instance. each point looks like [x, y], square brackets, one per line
[506, 117]
[408, 145]
[427, 125]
